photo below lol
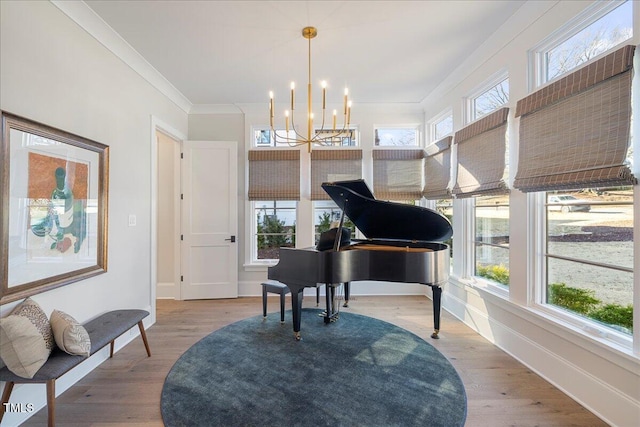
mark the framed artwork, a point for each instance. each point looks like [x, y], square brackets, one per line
[53, 199]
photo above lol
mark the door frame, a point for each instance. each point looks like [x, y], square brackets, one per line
[158, 125]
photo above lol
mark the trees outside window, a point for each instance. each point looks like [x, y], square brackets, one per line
[275, 228]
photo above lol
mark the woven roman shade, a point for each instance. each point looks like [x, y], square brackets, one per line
[274, 175]
[397, 174]
[575, 132]
[333, 165]
[481, 156]
[437, 170]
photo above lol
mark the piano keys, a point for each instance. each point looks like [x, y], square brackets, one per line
[404, 243]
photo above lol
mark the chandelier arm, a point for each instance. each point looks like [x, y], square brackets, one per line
[292, 142]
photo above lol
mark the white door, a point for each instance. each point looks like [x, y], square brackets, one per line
[209, 220]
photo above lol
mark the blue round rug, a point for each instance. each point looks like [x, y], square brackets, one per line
[358, 371]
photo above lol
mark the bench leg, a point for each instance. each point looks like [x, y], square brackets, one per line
[144, 338]
[51, 403]
[111, 348]
[8, 387]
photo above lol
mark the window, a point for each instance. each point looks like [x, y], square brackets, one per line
[327, 216]
[280, 138]
[267, 138]
[612, 28]
[275, 226]
[492, 238]
[445, 207]
[589, 254]
[348, 138]
[490, 99]
[484, 159]
[396, 136]
[442, 127]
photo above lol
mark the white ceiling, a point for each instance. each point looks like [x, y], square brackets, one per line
[234, 52]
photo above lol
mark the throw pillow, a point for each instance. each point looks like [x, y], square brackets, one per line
[25, 339]
[70, 335]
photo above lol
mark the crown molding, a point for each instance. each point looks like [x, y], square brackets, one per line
[94, 25]
[216, 109]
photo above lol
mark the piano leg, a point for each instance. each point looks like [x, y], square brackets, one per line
[331, 315]
[437, 303]
[347, 285]
[296, 311]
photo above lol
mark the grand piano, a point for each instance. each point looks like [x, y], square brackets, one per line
[404, 243]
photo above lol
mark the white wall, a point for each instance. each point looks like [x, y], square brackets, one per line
[53, 72]
[604, 379]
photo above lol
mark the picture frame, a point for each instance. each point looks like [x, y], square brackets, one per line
[54, 201]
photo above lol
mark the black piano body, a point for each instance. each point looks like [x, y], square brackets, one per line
[404, 244]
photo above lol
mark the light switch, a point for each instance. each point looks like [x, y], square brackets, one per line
[132, 220]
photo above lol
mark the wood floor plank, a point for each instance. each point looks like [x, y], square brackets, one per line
[125, 390]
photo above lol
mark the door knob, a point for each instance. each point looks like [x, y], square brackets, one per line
[232, 239]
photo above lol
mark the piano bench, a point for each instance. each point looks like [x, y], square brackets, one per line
[275, 288]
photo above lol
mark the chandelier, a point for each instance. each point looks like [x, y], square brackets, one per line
[325, 135]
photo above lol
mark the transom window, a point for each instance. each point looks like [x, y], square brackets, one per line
[490, 100]
[442, 127]
[269, 138]
[611, 29]
[396, 136]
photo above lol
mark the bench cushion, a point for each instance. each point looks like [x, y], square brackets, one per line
[102, 330]
[70, 335]
[26, 339]
[109, 326]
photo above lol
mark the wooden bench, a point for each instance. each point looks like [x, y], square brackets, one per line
[102, 330]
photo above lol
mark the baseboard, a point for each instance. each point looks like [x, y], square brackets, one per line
[603, 399]
[167, 290]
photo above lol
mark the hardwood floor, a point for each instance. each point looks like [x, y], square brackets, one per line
[125, 390]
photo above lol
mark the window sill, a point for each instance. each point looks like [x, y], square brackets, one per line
[259, 266]
[485, 285]
[598, 340]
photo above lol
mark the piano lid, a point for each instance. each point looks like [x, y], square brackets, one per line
[378, 219]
